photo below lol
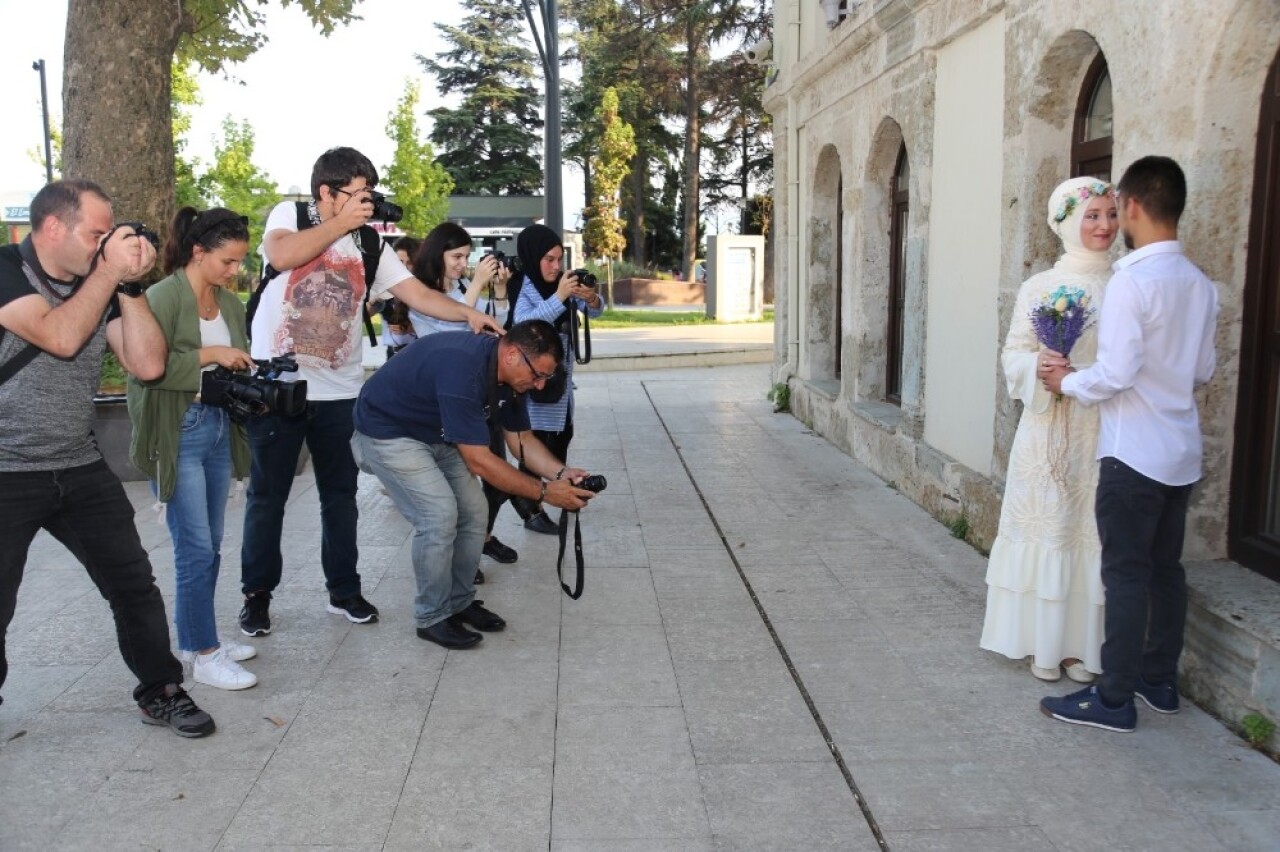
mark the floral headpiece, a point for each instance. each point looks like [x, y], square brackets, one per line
[1081, 194]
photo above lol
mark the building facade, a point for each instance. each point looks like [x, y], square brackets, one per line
[916, 144]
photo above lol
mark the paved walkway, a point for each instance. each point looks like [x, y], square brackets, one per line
[775, 651]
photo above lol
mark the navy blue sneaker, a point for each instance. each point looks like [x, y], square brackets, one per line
[1086, 708]
[1160, 697]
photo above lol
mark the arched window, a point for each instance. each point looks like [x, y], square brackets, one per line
[900, 205]
[1091, 143]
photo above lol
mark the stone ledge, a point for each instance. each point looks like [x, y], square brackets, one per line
[1231, 663]
[883, 414]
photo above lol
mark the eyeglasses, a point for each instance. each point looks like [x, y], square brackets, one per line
[536, 375]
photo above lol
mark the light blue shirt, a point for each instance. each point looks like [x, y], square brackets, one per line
[551, 416]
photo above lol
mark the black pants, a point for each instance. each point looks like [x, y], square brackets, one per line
[87, 510]
[495, 497]
[558, 444]
[1141, 523]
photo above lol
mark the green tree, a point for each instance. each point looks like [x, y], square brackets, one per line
[36, 153]
[184, 96]
[490, 143]
[119, 123]
[604, 231]
[419, 183]
[236, 183]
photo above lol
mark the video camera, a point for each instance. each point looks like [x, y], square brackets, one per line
[245, 396]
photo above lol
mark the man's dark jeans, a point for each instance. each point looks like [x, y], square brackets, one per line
[275, 443]
[1141, 523]
[87, 510]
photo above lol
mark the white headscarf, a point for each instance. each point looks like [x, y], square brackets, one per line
[1066, 213]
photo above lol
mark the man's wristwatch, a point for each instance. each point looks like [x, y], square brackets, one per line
[132, 289]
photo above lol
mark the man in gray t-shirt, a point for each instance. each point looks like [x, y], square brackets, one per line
[63, 300]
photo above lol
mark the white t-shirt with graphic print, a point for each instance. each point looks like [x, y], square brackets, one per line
[314, 312]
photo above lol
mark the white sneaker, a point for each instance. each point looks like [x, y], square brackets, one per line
[219, 670]
[234, 650]
[1078, 673]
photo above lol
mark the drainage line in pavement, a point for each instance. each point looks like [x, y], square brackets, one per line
[777, 640]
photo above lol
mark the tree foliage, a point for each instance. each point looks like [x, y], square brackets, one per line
[419, 183]
[609, 167]
[118, 81]
[236, 183]
[489, 143]
[184, 96]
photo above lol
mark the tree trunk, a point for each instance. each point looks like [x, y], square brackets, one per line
[639, 242]
[692, 152]
[117, 122]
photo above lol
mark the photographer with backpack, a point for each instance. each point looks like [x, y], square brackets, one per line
[328, 268]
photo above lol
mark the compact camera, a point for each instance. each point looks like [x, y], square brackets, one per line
[585, 278]
[245, 396]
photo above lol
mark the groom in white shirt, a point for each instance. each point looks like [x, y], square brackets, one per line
[1155, 346]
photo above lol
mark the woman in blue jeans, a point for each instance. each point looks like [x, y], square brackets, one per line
[190, 450]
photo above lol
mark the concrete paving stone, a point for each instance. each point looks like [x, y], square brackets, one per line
[790, 601]
[493, 808]
[627, 665]
[29, 689]
[643, 738]
[82, 632]
[783, 806]
[617, 596]
[1122, 827]
[936, 793]
[706, 640]
[485, 734]
[685, 559]
[629, 804]
[703, 602]
[1014, 838]
[1244, 830]
[160, 809]
[747, 712]
[684, 844]
[867, 730]
[481, 677]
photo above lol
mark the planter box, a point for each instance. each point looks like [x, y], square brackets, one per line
[113, 431]
[652, 291]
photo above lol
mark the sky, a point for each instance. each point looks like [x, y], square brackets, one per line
[293, 122]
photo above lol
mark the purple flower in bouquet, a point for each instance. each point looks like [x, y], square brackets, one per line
[1061, 317]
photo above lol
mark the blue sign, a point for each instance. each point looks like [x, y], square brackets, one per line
[17, 214]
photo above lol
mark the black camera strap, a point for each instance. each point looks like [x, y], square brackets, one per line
[581, 348]
[26, 355]
[574, 593]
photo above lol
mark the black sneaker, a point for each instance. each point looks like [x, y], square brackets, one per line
[499, 552]
[355, 608]
[173, 707]
[478, 617]
[1160, 697]
[255, 620]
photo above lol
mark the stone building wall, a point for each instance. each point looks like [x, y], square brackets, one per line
[1187, 79]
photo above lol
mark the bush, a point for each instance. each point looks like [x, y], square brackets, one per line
[111, 380]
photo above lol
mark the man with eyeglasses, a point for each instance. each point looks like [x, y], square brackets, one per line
[422, 428]
[313, 308]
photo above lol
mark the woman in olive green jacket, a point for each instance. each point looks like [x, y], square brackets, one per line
[190, 450]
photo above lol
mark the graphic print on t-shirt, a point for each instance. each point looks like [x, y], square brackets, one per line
[321, 304]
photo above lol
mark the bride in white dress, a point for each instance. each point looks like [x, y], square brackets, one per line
[1044, 586]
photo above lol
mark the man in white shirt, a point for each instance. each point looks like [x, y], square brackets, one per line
[1155, 346]
[313, 309]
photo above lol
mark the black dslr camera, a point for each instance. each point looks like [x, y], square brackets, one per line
[142, 232]
[585, 278]
[384, 209]
[509, 262]
[245, 396]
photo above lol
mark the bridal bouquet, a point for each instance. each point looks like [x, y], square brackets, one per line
[1060, 317]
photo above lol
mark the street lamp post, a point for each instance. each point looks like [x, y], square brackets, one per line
[38, 65]
[550, 56]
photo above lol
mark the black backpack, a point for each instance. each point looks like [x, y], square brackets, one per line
[370, 253]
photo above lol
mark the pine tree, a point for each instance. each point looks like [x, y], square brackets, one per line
[489, 144]
[417, 180]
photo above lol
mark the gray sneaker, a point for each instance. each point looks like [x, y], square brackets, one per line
[173, 707]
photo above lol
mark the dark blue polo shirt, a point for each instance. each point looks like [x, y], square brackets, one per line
[437, 390]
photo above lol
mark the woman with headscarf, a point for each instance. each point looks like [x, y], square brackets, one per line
[1044, 586]
[546, 294]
